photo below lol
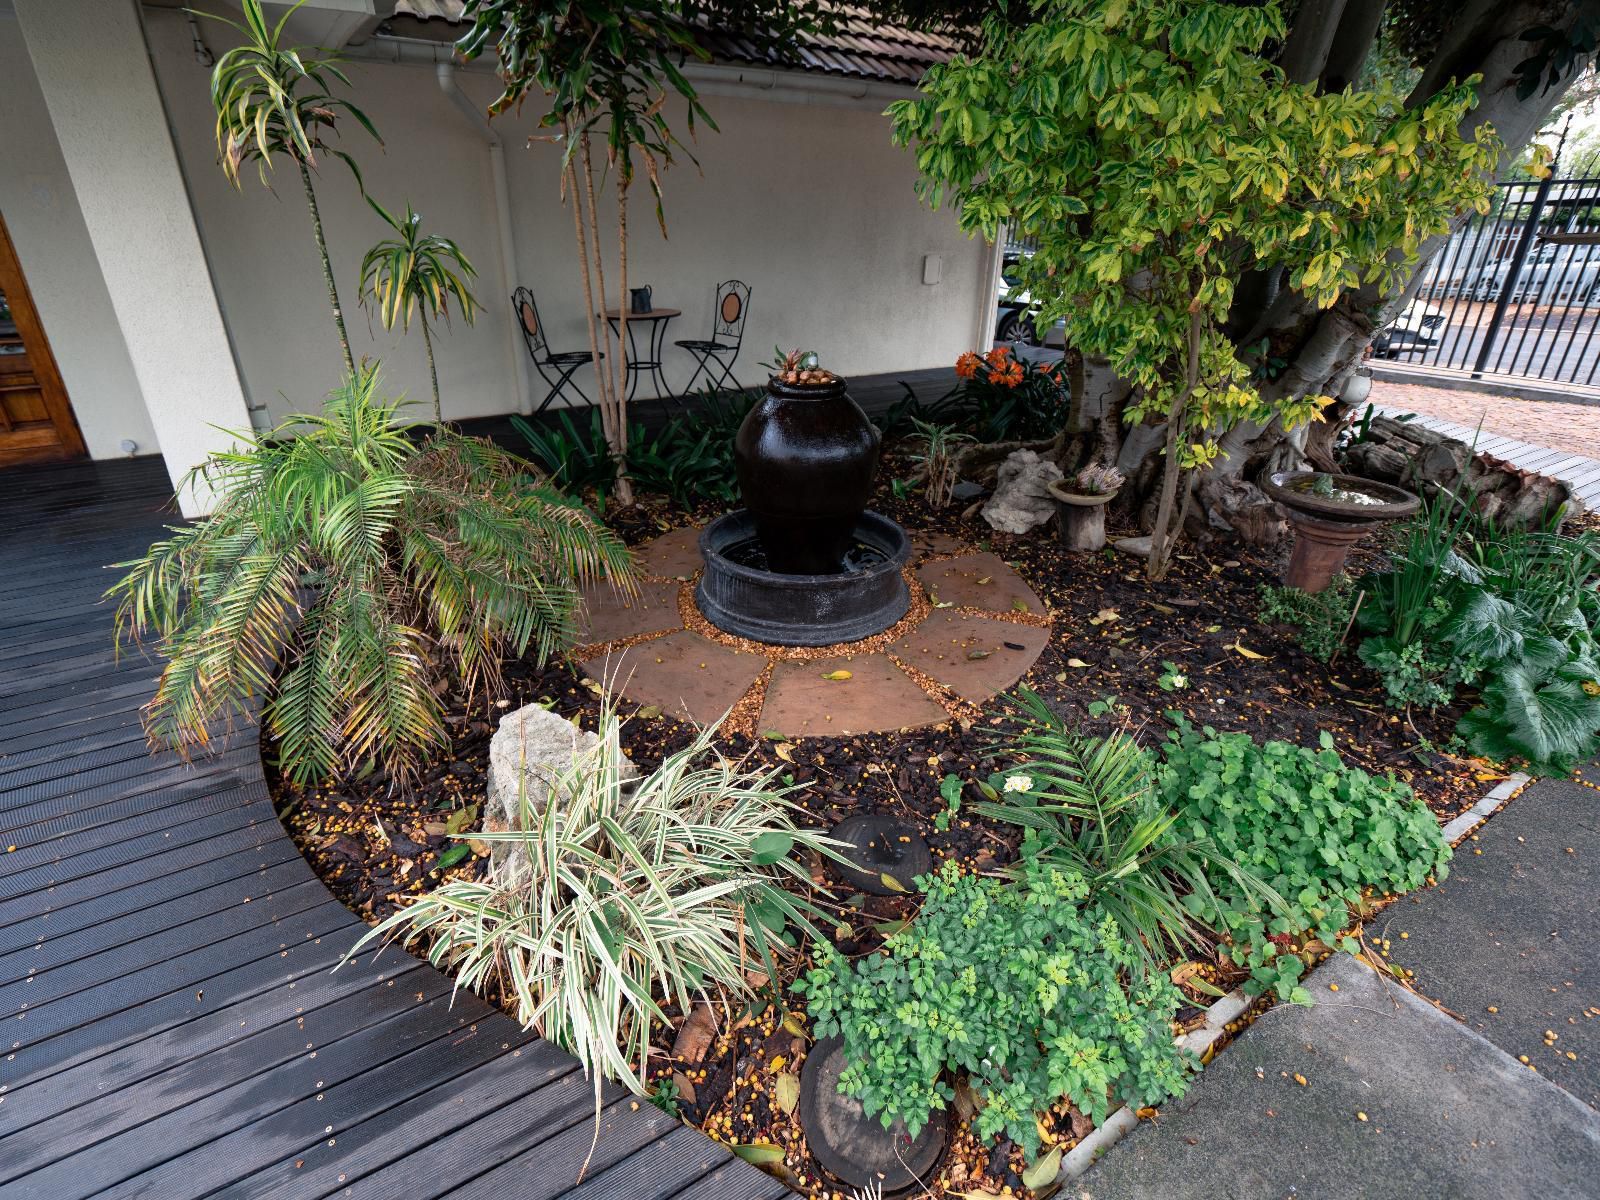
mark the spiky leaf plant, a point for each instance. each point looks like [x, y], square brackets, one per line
[1091, 806]
[276, 101]
[417, 274]
[350, 568]
[668, 888]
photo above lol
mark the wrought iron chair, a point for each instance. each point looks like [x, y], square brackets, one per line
[727, 334]
[564, 363]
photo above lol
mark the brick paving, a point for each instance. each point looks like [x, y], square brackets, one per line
[1574, 428]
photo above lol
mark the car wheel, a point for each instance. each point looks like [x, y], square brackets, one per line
[1017, 327]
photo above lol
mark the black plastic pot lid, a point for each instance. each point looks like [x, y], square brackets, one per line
[853, 1146]
[877, 845]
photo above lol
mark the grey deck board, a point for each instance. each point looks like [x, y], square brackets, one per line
[166, 956]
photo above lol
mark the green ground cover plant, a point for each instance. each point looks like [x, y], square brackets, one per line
[1323, 836]
[1025, 986]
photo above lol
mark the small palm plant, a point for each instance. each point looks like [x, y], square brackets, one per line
[369, 565]
[1090, 805]
[416, 273]
[274, 100]
[669, 887]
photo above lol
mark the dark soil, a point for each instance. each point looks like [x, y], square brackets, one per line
[1114, 634]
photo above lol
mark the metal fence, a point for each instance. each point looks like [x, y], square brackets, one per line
[1514, 293]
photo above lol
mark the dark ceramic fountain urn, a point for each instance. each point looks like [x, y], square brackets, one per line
[806, 458]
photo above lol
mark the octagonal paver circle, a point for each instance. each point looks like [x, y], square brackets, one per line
[981, 632]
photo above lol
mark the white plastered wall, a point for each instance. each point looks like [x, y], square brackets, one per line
[812, 206]
[41, 211]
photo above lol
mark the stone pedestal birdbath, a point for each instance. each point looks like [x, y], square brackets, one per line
[1331, 513]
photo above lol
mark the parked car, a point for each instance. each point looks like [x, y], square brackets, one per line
[1417, 328]
[1015, 320]
[1552, 274]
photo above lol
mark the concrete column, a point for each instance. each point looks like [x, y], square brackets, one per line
[94, 71]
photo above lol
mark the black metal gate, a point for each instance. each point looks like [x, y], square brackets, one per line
[1515, 293]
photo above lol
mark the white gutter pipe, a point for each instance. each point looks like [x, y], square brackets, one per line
[502, 214]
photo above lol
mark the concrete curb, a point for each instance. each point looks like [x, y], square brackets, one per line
[1480, 812]
[1516, 389]
[1124, 1120]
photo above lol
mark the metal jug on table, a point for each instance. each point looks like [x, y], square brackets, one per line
[639, 299]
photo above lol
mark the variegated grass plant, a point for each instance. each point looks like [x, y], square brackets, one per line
[633, 893]
[351, 571]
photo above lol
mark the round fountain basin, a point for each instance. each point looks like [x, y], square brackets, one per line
[740, 596]
[1353, 499]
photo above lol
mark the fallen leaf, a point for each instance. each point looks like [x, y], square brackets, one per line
[1076, 662]
[837, 675]
[795, 1023]
[785, 751]
[1247, 652]
[759, 1154]
[696, 1034]
[786, 1091]
[1019, 606]
[976, 655]
[1043, 1170]
[890, 882]
[452, 856]
[1162, 608]
[684, 1087]
[987, 579]
[648, 711]
[1213, 628]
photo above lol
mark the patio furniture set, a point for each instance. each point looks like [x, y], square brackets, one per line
[714, 356]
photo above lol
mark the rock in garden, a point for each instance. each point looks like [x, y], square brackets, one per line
[1022, 499]
[530, 750]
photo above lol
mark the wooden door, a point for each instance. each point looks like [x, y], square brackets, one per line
[36, 421]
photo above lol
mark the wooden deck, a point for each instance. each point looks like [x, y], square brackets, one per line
[172, 1024]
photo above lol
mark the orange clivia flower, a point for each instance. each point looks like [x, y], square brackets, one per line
[997, 357]
[1010, 377]
[967, 365]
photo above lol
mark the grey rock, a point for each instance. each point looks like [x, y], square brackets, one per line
[1022, 499]
[527, 754]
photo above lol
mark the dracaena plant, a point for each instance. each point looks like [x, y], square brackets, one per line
[417, 274]
[351, 567]
[276, 101]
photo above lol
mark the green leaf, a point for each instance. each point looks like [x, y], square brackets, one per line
[760, 1154]
[452, 855]
[769, 847]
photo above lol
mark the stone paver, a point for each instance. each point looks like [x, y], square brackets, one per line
[1449, 1115]
[683, 673]
[877, 697]
[1571, 427]
[675, 555]
[975, 657]
[926, 543]
[610, 615]
[978, 581]
[1516, 928]
[690, 673]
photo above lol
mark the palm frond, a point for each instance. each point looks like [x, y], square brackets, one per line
[368, 568]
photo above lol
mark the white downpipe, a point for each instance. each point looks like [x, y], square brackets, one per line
[502, 214]
[988, 296]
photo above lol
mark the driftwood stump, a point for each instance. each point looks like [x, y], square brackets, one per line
[1426, 462]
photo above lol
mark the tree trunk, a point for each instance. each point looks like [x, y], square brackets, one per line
[624, 305]
[433, 371]
[327, 270]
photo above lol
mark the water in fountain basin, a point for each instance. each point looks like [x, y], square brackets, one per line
[748, 552]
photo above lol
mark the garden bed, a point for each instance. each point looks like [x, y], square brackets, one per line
[1123, 651]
